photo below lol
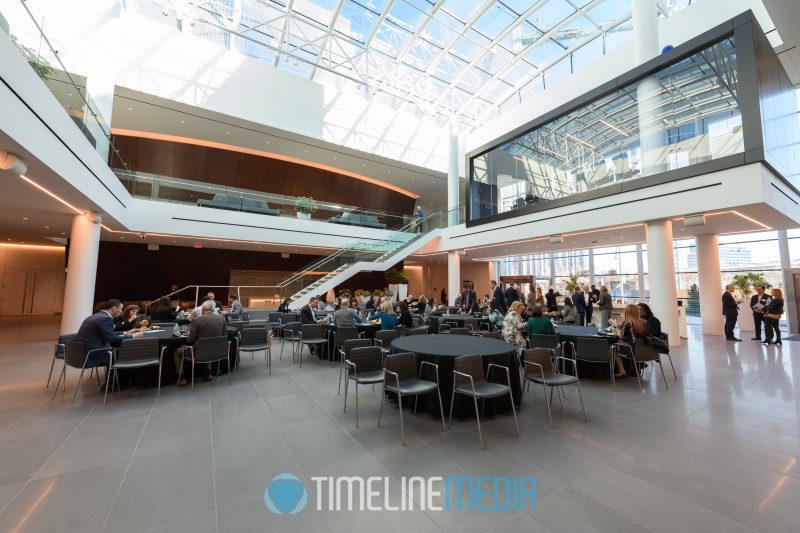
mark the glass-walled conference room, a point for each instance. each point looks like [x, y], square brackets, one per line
[617, 267]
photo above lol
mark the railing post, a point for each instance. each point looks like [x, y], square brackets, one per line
[196, 295]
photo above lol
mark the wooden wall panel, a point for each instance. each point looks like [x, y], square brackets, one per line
[246, 171]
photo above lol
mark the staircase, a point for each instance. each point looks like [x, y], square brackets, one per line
[335, 269]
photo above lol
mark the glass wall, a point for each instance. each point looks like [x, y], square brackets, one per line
[682, 115]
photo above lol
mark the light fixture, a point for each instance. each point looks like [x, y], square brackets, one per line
[694, 220]
[10, 162]
[555, 239]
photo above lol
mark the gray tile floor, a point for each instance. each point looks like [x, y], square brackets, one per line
[717, 452]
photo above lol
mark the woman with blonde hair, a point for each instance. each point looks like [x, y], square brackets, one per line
[514, 326]
[772, 317]
[387, 316]
[633, 327]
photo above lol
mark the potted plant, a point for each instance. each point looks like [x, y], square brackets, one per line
[377, 292]
[305, 207]
[37, 62]
[572, 284]
[345, 293]
[398, 282]
[363, 296]
[745, 284]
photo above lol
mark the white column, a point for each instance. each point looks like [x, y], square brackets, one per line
[709, 281]
[84, 243]
[591, 266]
[790, 303]
[661, 264]
[645, 46]
[645, 30]
[552, 270]
[453, 275]
[493, 270]
[640, 271]
[452, 176]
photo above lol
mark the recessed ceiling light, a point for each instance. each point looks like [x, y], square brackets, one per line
[62, 233]
[183, 121]
[174, 241]
[334, 159]
[130, 109]
[9, 239]
[227, 133]
[22, 242]
[305, 151]
[47, 227]
[24, 218]
[363, 164]
[69, 94]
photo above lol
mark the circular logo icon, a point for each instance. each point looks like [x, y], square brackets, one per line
[285, 494]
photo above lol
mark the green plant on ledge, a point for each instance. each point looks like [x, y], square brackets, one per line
[396, 277]
[377, 292]
[345, 293]
[37, 62]
[306, 205]
[572, 284]
[746, 282]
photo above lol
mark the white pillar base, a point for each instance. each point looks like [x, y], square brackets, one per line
[453, 275]
[661, 263]
[709, 281]
[84, 244]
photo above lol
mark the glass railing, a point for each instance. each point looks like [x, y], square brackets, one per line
[26, 32]
[209, 195]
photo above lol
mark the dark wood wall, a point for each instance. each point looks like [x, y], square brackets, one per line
[132, 272]
[246, 171]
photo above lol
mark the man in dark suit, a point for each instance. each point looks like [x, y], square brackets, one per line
[498, 297]
[212, 297]
[308, 313]
[758, 302]
[97, 332]
[730, 309]
[208, 324]
[469, 301]
[579, 301]
[591, 299]
[512, 295]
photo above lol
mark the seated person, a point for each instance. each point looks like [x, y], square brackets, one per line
[646, 314]
[421, 304]
[569, 315]
[210, 296]
[284, 307]
[208, 324]
[631, 329]
[97, 332]
[405, 316]
[387, 316]
[539, 325]
[127, 321]
[372, 304]
[237, 310]
[495, 316]
[163, 311]
[308, 313]
[346, 317]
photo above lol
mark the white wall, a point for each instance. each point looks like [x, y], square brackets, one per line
[18, 266]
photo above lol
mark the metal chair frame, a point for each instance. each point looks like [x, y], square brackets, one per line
[542, 379]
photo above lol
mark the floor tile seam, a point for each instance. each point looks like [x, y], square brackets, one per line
[213, 467]
[128, 466]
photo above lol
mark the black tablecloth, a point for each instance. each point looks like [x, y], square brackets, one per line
[571, 334]
[443, 349]
[460, 319]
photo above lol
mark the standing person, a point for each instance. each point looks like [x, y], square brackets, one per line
[550, 297]
[539, 298]
[444, 297]
[730, 309]
[469, 300]
[418, 216]
[237, 310]
[605, 306]
[772, 317]
[579, 300]
[758, 302]
[591, 299]
[498, 298]
[511, 296]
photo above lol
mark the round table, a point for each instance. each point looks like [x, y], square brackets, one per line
[571, 333]
[443, 349]
[459, 319]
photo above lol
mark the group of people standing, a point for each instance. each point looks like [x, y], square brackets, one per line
[766, 308]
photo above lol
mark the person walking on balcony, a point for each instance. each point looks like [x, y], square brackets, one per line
[419, 215]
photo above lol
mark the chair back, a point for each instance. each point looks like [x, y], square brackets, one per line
[210, 349]
[460, 331]
[343, 334]
[540, 356]
[401, 330]
[62, 341]
[596, 350]
[545, 341]
[274, 318]
[137, 349]
[386, 336]
[471, 323]
[238, 324]
[366, 358]
[644, 351]
[350, 344]
[312, 331]
[254, 337]
[471, 365]
[291, 330]
[492, 335]
[252, 325]
[418, 331]
[403, 364]
[73, 354]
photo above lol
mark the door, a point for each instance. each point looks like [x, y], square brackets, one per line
[43, 295]
[16, 291]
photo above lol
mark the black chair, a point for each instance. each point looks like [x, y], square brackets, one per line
[401, 330]
[384, 338]
[492, 335]
[418, 331]
[208, 350]
[597, 351]
[342, 334]
[471, 324]
[238, 325]
[135, 353]
[274, 321]
[58, 353]
[291, 333]
[364, 367]
[460, 331]
[470, 380]
[539, 368]
[551, 342]
[344, 353]
[401, 378]
[644, 352]
[256, 340]
[73, 357]
[311, 335]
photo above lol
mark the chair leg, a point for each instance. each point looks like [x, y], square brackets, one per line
[673, 366]
[106, 393]
[547, 404]
[478, 418]
[341, 371]
[452, 398]
[192, 375]
[383, 400]
[402, 428]
[585, 416]
[441, 410]
[356, 403]
[62, 374]
[50, 375]
[513, 410]
[78, 386]
[663, 376]
[158, 390]
[559, 391]
[346, 385]
[280, 356]
[613, 380]
[416, 401]
[638, 377]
